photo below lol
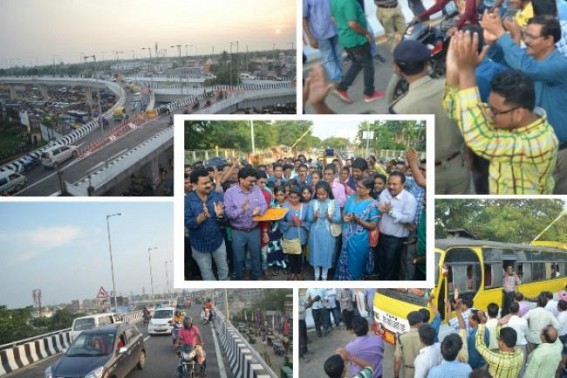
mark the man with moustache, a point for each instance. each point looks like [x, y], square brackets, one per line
[242, 203]
[398, 208]
[204, 213]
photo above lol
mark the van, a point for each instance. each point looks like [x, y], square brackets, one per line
[92, 321]
[54, 156]
[11, 182]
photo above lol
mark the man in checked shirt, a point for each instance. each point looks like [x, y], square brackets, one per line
[509, 131]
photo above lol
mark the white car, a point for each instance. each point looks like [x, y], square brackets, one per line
[54, 156]
[159, 324]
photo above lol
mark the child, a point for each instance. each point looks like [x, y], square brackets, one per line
[275, 255]
[294, 226]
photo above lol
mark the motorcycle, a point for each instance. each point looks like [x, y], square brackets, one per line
[436, 39]
[205, 314]
[187, 362]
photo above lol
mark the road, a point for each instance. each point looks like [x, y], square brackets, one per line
[324, 347]
[43, 181]
[382, 75]
[161, 361]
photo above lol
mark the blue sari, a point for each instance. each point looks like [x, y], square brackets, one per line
[356, 246]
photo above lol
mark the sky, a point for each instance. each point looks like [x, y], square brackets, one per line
[62, 249]
[44, 31]
[327, 127]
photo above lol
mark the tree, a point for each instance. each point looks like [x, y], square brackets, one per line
[336, 143]
[14, 324]
[273, 300]
[514, 221]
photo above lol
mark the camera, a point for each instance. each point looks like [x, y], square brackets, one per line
[329, 152]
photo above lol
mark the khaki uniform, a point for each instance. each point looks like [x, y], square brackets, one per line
[407, 349]
[424, 97]
[393, 21]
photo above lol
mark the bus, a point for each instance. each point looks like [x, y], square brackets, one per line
[475, 268]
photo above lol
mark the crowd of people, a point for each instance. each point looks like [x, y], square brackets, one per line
[349, 220]
[499, 110]
[514, 341]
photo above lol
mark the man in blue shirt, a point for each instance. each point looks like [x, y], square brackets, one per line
[546, 66]
[204, 213]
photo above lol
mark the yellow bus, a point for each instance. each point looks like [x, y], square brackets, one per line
[476, 269]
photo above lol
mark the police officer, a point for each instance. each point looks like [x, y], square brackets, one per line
[411, 60]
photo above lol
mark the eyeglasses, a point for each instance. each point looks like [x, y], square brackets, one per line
[495, 112]
[531, 37]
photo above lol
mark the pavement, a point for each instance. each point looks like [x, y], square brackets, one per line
[382, 75]
[321, 348]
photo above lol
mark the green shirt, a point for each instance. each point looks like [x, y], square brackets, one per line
[543, 361]
[344, 11]
[365, 373]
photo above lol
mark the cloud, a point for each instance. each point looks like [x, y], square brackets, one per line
[52, 237]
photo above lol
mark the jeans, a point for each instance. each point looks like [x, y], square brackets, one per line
[302, 337]
[336, 315]
[389, 256]
[251, 240]
[204, 260]
[361, 60]
[331, 54]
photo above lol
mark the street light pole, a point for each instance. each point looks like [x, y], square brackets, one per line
[167, 278]
[151, 276]
[100, 123]
[111, 261]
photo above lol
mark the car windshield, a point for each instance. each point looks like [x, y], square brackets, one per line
[163, 314]
[91, 345]
[83, 324]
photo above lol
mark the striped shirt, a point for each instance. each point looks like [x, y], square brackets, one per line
[500, 364]
[522, 160]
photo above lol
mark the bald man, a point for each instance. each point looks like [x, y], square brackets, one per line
[544, 360]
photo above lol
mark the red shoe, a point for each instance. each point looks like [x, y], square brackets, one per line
[343, 95]
[375, 96]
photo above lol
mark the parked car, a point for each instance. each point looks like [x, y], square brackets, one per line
[159, 324]
[55, 156]
[11, 182]
[110, 351]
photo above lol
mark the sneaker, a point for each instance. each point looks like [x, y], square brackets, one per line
[343, 95]
[375, 96]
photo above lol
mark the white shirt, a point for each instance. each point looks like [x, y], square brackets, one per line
[330, 299]
[537, 319]
[519, 325]
[562, 318]
[427, 358]
[403, 212]
[551, 306]
[491, 327]
[312, 293]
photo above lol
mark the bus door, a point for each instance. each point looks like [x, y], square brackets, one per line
[462, 271]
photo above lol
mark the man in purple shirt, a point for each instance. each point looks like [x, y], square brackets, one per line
[330, 175]
[242, 202]
[365, 346]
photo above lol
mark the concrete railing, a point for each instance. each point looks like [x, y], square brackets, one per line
[244, 361]
[222, 106]
[26, 352]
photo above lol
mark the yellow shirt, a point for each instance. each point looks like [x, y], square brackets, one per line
[523, 16]
[522, 160]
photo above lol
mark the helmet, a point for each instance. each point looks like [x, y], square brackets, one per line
[187, 322]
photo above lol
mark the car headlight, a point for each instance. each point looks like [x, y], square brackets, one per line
[48, 373]
[96, 373]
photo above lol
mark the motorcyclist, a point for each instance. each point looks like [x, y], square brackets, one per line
[205, 314]
[188, 337]
[176, 322]
[209, 307]
[146, 315]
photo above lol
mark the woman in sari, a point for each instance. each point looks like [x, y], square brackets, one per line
[360, 216]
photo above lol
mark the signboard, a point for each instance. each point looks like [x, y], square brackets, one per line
[102, 294]
[368, 135]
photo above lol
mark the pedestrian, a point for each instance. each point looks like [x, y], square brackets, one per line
[398, 208]
[509, 282]
[322, 214]
[408, 346]
[360, 216]
[355, 38]
[295, 226]
[345, 298]
[367, 346]
[204, 215]
[242, 203]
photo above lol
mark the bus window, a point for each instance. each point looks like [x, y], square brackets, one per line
[527, 272]
[465, 278]
[487, 276]
[520, 270]
[538, 271]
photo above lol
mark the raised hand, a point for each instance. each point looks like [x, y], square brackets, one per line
[245, 205]
[219, 209]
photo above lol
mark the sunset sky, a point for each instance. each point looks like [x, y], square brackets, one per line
[43, 31]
